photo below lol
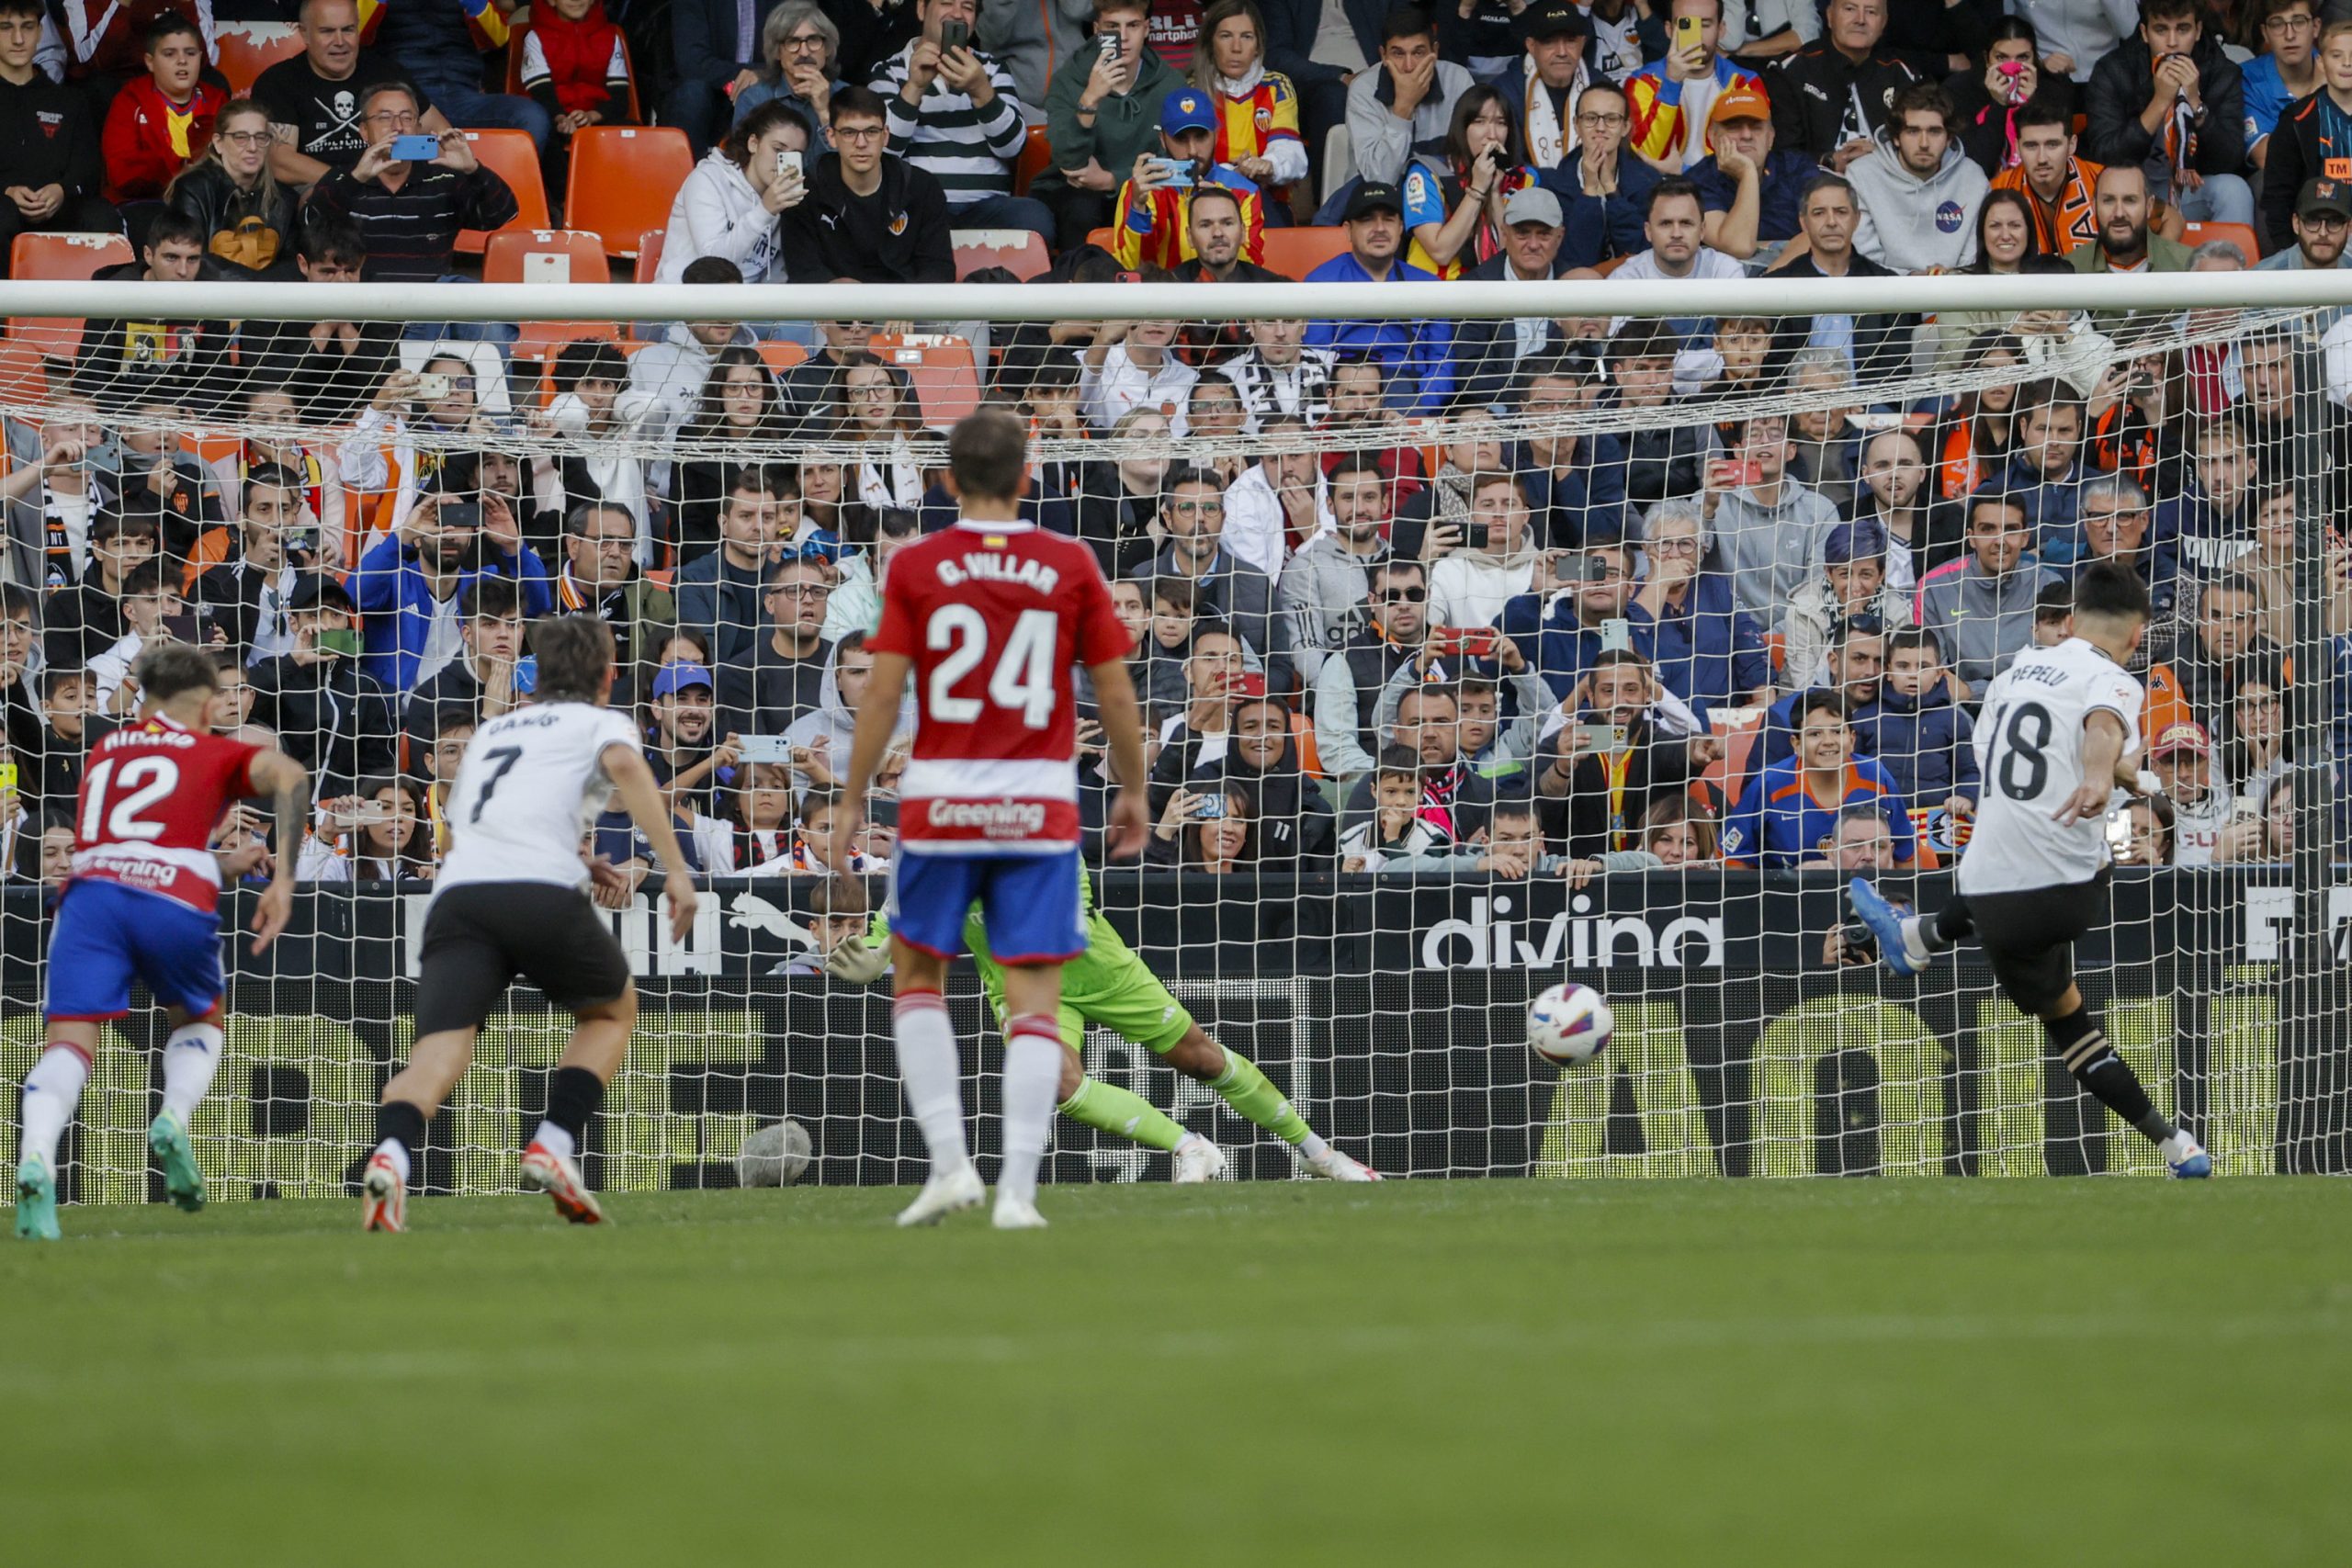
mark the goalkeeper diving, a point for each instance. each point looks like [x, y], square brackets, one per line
[1109, 985]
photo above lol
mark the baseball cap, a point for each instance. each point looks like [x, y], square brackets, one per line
[2323, 196]
[2187, 735]
[675, 676]
[1532, 204]
[1186, 108]
[318, 588]
[1371, 198]
[1850, 542]
[1740, 103]
[1550, 19]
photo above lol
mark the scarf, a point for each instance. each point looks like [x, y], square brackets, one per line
[1548, 140]
[1241, 86]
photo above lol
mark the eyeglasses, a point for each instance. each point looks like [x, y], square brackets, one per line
[246, 138]
[1601, 121]
[1676, 545]
[393, 116]
[860, 133]
[800, 589]
[1404, 595]
[1197, 508]
[2289, 24]
[805, 43]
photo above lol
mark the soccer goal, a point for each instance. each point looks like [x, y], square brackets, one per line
[1475, 627]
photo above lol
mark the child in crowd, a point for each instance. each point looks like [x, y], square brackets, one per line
[1924, 738]
[161, 122]
[1395, 830]
[576, 67]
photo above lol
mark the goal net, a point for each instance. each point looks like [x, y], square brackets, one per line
[1476, 652]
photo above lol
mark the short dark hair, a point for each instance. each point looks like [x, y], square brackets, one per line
[113, 520]
[2053, 601]
[330, 237]
[2111, 588]
[147, 576]
[491, 595]
[269, 476]
[1358, 460]
[374, 90]
[577, 522]
[2043, 109]
[1991, 497]
[856, 100]
[171, 223]
[168, 669]
[1914, 636]
[589, 360]
[1405, 22]
[711, 269]
[575, 654]
[2165, 10]
[1396, 758]
[1210, 188]
[1824, 182]
[1676, 184]
[761, 479]
[162, 25]
[21, 8]
[1928, 97]
[987, 453]
[1824, 700]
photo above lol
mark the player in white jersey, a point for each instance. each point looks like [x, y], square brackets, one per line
[511, 899]
[2060, 733]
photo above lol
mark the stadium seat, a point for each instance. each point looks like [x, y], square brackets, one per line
[1021, 249]
[2194, 234]
[1099, 237]
[514, 69]
[64, 258]
[1339, 162]
[623, 180]
[1036, 157]
[510, 155]
[946, 383]
[252, 48]
[1295, 253]
[780, 354]
[649, 254]
[579, 257]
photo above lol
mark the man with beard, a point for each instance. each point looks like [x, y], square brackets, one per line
[334, 719]
[784, 679]
[1226, 587]
[2323, 209]
[1917, 192]
[2198, 675]
[599, 578]
[2120, 204]
[406, 588]
[1857, 670]
[1217, 228]
[1325, 586]
[1349, 682]
[1597, 774]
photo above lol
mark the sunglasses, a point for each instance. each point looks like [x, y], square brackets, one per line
[1404, 595]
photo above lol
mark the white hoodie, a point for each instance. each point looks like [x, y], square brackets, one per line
[719, 214]
[1909, 224]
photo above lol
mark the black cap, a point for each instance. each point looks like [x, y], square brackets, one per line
[315, 589]
[2323, 196]
[1549, 18]
[1371, 198]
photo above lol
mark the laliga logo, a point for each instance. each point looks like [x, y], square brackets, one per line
[1589, 940]
[1947, 216]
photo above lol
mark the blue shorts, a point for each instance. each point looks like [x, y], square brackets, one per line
[108, 934]
[1029, 903]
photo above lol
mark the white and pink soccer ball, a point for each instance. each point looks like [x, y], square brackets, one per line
[1569, 1023]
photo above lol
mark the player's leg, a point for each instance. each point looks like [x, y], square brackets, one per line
[1030, 906]
[90, 970]
[462, 968]
[929, 896]
[1244, 1086]
[2077, 1039]
[1907, 943]
[1106, 1107]
[569, 952]
[179, 957]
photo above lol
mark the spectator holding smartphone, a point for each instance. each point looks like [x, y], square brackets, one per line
[954, 112]
[1101, 114]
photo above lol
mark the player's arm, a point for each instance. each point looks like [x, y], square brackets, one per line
[642, 798]
[2103, 769]
[288, 787]
[877, 718]
[1114, 696]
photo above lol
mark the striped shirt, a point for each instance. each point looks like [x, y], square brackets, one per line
[969, 149]
[412, 232]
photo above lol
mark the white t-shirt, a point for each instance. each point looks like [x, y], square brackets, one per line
[441, 640]
[532, 782]
[2030, 750]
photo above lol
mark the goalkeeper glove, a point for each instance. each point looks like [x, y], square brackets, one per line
[858, 960]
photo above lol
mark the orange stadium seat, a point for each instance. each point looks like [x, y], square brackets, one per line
[649, 254]
[781, 356]
[623, 180]
[252, 48]
[508, 258]
[1019, 249]
[1036, 157]
[946, 382]
[2194, 234]
[510, 155]
[1295, 253]
[63, 258]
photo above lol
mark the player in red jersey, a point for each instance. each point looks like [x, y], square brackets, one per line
[989, 616]
[144, 903]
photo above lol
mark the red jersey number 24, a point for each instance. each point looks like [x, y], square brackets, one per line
[1021, 678]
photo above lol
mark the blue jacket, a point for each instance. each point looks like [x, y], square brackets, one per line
[1777, 826]
[1561, 647]
[1416, 357]
[1584, 505]
[1709, 653]
[1924, 744]
[396, 605]
[432, 41]
[1780, 182]
[1600, 226]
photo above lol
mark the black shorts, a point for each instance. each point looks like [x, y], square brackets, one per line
[2028, 937]
[480, 936]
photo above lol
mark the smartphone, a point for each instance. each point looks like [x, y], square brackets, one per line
[1730, 473]
[1616, 636]
[432, 386]
[458, 514]
[343, 640]
[955, 35]
[1479, 642]
[183, 628]
[546, 267]
[527, 674]
[1179, 172]
[787, 161]
[767, 749]
[1686, 32]
[365, 814]
[301, 542]
[1109, 42]
[1209, 811]
[8, 778]
[1445, 641]
[416, 149]
[1477, 535]
[1591, 740]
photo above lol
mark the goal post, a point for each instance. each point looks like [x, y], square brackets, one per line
[1577, 590]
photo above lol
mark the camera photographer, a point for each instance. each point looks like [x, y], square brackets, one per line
[407, 586]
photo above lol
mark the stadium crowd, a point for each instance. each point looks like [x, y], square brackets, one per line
[1401, 601]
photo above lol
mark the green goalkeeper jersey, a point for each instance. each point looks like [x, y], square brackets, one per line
[1107, 985]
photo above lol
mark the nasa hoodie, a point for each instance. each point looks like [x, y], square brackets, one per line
[1909, 224]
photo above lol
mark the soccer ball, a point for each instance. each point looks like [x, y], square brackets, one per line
[774, 1156]
[1569, 1024]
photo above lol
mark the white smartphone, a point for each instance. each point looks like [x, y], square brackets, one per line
[546, 267]
[787, 162]
[432, 387]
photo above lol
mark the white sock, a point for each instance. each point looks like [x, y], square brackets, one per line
[1313, 1147]
[933, 1075]
[51, 1091]
[397, 1152]
[553, 1139]
[1186, 1142]
[1032, 1077]
[190, 1058]
[2179, 1146]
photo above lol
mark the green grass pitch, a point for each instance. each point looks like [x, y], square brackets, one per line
[1881, 1372]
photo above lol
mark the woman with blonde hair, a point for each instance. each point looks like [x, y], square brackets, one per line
[253, 223]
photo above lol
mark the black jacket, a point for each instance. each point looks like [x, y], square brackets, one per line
[2312, 138]
[1821, 100]
[1485, 353]
[2120, 88]
[123, 362]
[334, 720]
[329, 385]
[253, 233]
[47, 138]
[900, 234]
[1295, 828]
[1882, 348]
